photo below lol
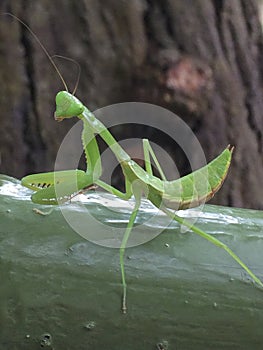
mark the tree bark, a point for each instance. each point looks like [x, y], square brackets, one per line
[200, 59]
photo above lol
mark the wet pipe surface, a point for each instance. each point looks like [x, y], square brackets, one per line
[61, 291]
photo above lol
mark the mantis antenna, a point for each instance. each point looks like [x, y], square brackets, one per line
[41, 45]
[79, 69]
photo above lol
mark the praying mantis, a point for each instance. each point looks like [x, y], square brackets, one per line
[186, 192]
[57, 187]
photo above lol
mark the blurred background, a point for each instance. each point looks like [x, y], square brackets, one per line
[201, 59]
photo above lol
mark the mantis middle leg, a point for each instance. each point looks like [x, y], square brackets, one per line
[127, 195]
[137, 194]
[148, 151]
[136, 189]
[123, 195]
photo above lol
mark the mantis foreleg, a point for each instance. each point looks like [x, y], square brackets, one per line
[57, 187]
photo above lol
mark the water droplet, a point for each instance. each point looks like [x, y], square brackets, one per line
[45, 340]
[163, 345]
[90, 325]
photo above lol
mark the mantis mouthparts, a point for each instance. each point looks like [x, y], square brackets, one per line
[59, 119]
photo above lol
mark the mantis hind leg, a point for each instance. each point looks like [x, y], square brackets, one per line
[148, 152]
[213, 240]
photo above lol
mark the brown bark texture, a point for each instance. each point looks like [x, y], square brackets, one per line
[201, 59]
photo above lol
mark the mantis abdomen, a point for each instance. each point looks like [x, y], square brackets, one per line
[186, 192]
[199, 186]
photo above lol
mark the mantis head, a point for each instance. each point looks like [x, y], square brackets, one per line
[67, 106]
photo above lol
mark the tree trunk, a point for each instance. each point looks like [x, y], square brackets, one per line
[200, 59]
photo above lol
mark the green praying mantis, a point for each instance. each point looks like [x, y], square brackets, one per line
[189, 191]
[186, 192]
